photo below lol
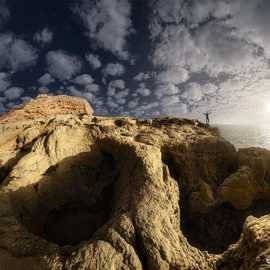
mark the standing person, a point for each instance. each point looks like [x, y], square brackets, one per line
[207, 119]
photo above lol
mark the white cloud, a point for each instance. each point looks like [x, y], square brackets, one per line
[46, 79]
[13, 93]
[92, 87]
[16, 54]
[93, 60]
[179, 110]
[4, 81]
[88, 96]
[114, 86]
[169, 101]
[165, 11]
[44, 37]
[43, 90]
[4, 13]
[2, 108]
[223, 45]
[251, 20]
[209, 88]
[25, 98]
[116, 95]
[192, 92]
[5, 43]
[216, 47]
[121, 95]
[2, 102]
[175, 75]
[12, 104]
[72, 90]
[142, 76]
[118, 84]
[112, 104]
[227, 53]
[83, 79]
[113, 69]
[145, 109]
[142, 85]
[201, 11]
[132, 104]
[145, 92]
[178, 48]
[166, 89]
[22, 55]
[62, 65]
[108, 23]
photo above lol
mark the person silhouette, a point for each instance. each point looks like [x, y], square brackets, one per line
[207, 119]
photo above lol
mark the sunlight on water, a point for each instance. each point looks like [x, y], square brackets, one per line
[246, 136]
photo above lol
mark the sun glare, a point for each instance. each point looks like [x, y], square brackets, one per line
[267, 107]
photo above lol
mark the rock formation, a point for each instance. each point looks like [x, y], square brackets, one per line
[84, 192]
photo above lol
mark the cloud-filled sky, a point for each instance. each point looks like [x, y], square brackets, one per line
[144, 58]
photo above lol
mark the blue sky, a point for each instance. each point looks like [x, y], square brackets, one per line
[140, 58]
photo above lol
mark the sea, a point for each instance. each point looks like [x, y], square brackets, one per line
[246, 136]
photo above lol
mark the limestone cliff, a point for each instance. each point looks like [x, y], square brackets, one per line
[84, 192]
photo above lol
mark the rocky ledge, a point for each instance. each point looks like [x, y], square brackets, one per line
[86, 192]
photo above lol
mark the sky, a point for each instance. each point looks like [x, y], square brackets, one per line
[142, 58]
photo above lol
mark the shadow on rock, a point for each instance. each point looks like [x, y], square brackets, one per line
[71, 201]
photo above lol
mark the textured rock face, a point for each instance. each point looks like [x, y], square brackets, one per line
[119, 193]
[48, 106]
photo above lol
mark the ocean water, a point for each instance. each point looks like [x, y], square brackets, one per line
[246, 136]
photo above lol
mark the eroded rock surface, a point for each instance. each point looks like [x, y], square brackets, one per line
[83, 192]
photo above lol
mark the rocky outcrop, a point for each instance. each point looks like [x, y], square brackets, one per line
[45, 106]
[82, 192]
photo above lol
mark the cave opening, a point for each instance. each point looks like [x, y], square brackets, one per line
[73, 223]
[221, 226]
[70, 208]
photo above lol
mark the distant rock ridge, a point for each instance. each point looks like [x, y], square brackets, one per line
[79, 191]
[46, 106]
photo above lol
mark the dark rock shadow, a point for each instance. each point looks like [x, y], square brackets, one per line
[222, 225]
[72, 201]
